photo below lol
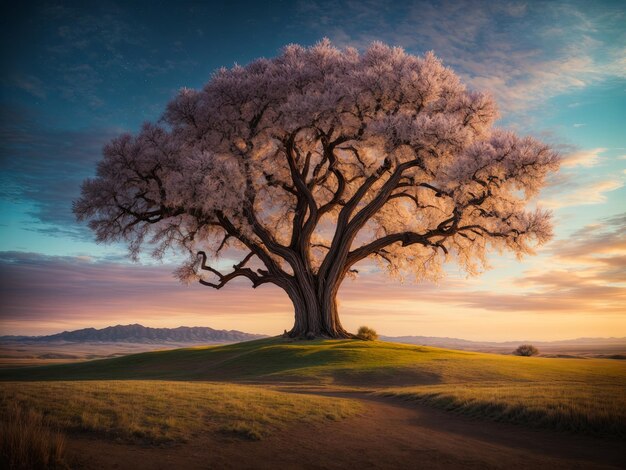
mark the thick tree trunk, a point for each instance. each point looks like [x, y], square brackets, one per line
[316, 313]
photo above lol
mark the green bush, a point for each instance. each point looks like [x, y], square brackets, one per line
[367, 334]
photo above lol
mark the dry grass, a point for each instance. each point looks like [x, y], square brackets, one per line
[27, 441]
[598, 409]
[159, 411]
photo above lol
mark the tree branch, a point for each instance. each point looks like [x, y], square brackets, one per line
[238, 271]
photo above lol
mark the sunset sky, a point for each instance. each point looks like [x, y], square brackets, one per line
[74, 76]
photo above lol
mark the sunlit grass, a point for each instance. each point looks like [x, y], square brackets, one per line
[337, 362]
[158, 411]
[569, 406]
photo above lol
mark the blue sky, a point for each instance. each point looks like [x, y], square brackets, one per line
[75, 74]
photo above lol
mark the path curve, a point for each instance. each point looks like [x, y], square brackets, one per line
[390, 434]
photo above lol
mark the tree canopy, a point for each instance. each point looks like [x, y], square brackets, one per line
[308, 163]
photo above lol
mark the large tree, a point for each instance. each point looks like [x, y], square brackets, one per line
[309, 163]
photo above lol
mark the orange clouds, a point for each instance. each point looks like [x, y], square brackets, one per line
[581, 292]
[46, 293]
[576, 287]
[584, 158]
[573, 188]
[593, 193]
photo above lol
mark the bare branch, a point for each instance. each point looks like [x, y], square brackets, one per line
[238, 271]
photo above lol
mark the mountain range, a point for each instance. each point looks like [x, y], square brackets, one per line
[141, 334]
[183, 334]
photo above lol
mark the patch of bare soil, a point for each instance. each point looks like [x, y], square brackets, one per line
[390, 434]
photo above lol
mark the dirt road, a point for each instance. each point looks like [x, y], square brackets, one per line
[390, 434]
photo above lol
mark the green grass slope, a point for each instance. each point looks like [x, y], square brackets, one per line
[340, 362]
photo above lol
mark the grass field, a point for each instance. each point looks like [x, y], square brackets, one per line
[580, 395]
[157, 411]
[598, 409]
[28, 440]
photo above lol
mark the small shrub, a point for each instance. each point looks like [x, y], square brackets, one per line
[526, 350]
[28, 442]
[367, 334]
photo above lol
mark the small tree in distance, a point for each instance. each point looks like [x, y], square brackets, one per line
[526, 350]
[302, 166]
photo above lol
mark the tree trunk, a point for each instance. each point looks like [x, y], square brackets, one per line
[316, 313]
[330, 313]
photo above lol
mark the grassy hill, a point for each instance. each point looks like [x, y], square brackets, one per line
[339, 362]
[574, 394]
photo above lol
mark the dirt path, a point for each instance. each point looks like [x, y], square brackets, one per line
[391, 434]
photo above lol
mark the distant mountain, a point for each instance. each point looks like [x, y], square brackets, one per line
[183, 334]
[141, 334]
[457, 343]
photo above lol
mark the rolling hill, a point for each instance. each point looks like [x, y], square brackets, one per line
[582, 395]
[339, 362]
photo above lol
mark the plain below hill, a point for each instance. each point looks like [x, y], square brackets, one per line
[113, 341]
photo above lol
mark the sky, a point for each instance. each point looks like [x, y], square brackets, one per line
[76, 74]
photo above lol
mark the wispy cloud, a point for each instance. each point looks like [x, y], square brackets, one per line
[589, 193]
[584, 158]
[82, 44]
[574, 185]
[85, 52]
[30, 84]
[602, 243]
[587, 270]
[44, 166]
[81, 291]
[513, 49]
[582, 274]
